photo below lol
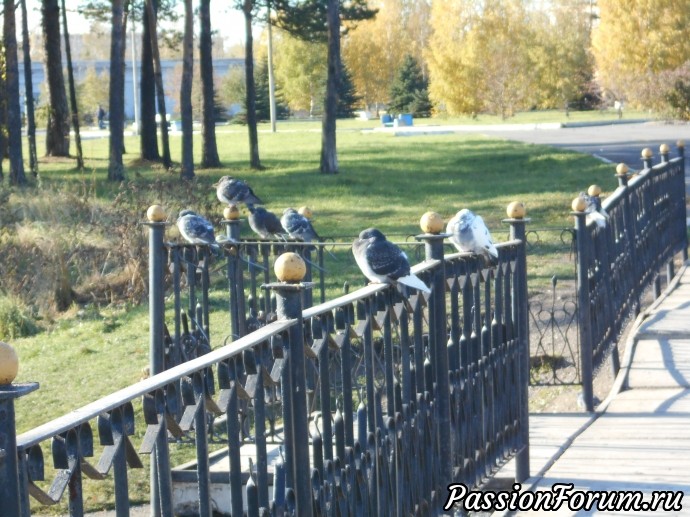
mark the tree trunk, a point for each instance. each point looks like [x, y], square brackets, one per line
[158, 74]
[147, 131]
[72, 91]
[3, 123]
[187, 169]
[29, 94]
[57, 136]
[14, 119]
[116, 170]
[329, 155]
[209, 149]
[254, 161]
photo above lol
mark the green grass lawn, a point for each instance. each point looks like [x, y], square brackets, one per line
[85, 353]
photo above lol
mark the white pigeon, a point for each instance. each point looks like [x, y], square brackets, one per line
[469, 234]
[381, 261]
[595, 212]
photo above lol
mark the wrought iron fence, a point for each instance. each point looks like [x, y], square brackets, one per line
[554, 342]
[380, 402]
[617, 262]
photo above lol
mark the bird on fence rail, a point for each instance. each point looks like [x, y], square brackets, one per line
[381, 261]
[595, 212]
[469, 234]
[197, 230]
[232, 190]
[264, 223]
[298, 227]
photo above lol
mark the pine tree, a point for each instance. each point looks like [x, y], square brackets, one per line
[263, 103]
[409, 91]
[348, 100]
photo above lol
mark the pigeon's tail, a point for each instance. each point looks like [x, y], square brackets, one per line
[413, 281]
[490, 260]
[598, 218]
[252, 200]
[216, 249]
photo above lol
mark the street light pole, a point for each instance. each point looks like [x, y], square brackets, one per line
[271, 78]
[134, 81]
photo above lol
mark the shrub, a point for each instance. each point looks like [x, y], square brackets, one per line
[15, 320]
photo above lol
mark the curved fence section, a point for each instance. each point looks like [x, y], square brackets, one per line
[644, 228]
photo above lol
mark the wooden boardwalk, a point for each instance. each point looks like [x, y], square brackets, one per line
[639, 438]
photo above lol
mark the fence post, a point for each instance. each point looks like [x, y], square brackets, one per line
[681, 153]
[647, 155]
[290, 269]
[518, 222]
[583, 251]
[9, 459]
[161, 488]
[622, 175]
[233, 224]
[432, 224]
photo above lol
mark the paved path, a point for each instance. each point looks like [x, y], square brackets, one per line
[640, 438]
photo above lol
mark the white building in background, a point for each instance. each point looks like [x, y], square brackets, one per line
[220, 68]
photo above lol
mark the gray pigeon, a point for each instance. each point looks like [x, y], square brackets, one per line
[469, 234]
[196, 230]
[232, 190]
[264, 223]
[298, 227]
[595, 212]
[381, 261]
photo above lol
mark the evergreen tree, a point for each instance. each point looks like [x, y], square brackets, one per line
[409, 92]
[348, 100]
[263, 102]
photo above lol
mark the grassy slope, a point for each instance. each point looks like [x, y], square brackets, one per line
[384, 181]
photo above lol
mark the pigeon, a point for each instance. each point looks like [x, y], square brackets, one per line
[381, 261]
[264, 223]
[231, 190]
[196, 230]
[298, 227]
[595, 212]
[469, 234]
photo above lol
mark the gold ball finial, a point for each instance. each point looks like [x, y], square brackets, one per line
[9, 364]
[290, 267]
[647, 153]
[594, 190]
[516, 210]
[578, 204]
[231, 212]
[305, 211]
[680, 143]
[664, 149]
[431, 222]
[622, 169]
[155, 214]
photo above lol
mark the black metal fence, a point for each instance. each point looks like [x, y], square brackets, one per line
[379, 399]
[616, 263]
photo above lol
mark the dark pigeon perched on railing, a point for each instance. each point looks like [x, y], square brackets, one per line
[264, 223]
[196, 230]
[232, 191]
[381, 261]
[298, 227]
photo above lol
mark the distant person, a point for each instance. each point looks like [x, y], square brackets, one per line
[100, 116]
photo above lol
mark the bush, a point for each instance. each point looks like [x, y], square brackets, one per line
[15, 320]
